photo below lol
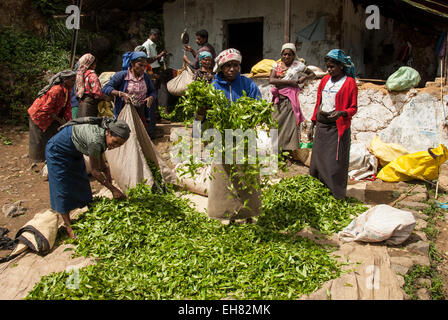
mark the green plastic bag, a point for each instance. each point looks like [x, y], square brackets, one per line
[304, 145]
[403, 79]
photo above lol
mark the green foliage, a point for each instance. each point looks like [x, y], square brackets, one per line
[411, 286]
[155, 246]
[5, 140]
[50, 7]
[25, 60]
[302, 201]
[246, 114]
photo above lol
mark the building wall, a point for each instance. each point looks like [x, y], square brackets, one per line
[211, 14]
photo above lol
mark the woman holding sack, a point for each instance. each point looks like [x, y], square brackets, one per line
[337, 103]
[67, 175]
[286, 77]
[133, 84]
[205, 71]
[51, 109]
[88, 87]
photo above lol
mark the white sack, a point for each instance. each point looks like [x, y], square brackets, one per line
[380, 223]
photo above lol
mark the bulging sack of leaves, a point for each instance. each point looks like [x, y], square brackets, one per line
[227, 199]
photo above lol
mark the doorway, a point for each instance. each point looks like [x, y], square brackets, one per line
[246, 35]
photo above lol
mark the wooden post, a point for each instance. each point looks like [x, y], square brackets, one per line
[75, 38]
[287, 37]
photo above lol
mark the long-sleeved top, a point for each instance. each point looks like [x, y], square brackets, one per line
[118, 82]
[56, 101]
[346, 100]
[234, 90]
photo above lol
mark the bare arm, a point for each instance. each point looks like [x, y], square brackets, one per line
[100, 171]
[279, 82]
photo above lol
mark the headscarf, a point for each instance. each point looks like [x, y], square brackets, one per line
[131, 56]
[58, 78]
[118, 127]
[339, 55]
[290, 46]
[84, 64]
[203, 55]
[226, 56]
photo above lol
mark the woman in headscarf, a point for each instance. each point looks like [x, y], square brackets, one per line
[134, 85]
[205, 71]
[51, 109]
[286, 76]
[229, 78]
[67, 175]
[337, 103]
[88, 87]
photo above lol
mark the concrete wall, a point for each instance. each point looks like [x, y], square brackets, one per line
[411, 119]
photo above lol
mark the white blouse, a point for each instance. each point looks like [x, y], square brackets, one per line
[329, 94]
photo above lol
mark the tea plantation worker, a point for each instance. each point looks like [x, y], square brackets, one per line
[51, 109]
[67, 175]
[286, 77]
[205, 71]
[202, 42]
[135, 83]
[337, 101]
[229, 78]
[88, 87]
[151, 50]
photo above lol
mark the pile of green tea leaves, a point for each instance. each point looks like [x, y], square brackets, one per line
[155, 246]
[302, 201]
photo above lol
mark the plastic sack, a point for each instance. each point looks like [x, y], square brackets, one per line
[380, 223]
[423, 165]
[403, 79]
[362, 163]
[386, 152]
[264, 66]
[178, 85]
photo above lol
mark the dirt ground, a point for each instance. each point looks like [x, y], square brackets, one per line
[20, 181]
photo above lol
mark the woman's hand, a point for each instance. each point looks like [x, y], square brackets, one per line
[149, 101]
[117, 194]
[335, 115]
[302, 79]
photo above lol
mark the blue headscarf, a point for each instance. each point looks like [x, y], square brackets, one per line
[131, 56]
[339, 55]
[203, 55]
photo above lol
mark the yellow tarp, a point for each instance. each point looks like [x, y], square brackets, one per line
[386, 152]
[423, 165]
[264, 66]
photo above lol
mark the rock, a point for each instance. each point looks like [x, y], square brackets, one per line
[357, 191]
[423, 294]
[13, 210]
[424, 282]
[402, 261]
[420, 225]
[419, 215]
[418, 197]
[420, 189]
[24, 156]
[413, 204]
[420, 260]
[421, 235]
[420, 247]
[399, 269]
[401, 280]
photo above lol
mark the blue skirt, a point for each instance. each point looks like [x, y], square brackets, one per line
[67, 175]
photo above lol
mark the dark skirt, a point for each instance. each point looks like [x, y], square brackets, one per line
[67, 175]
[88, 107]
[324, 166]
[288, 131]
[38, 140]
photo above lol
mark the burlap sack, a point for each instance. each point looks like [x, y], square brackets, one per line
[128, 165]
[224, 204]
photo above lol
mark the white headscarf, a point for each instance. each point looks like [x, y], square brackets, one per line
[290, 46]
